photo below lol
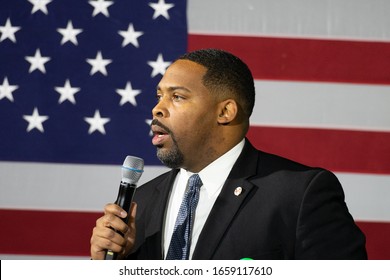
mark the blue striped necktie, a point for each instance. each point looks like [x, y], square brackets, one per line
[179, 248]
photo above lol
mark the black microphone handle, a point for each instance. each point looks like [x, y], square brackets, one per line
[124, 199]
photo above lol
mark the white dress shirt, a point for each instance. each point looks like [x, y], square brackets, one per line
[213, 178]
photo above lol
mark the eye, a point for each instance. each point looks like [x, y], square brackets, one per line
[177, 97]
[158, 97]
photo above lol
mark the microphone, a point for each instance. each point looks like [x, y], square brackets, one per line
[132, 169]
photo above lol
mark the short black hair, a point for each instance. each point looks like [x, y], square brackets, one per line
[226, 73]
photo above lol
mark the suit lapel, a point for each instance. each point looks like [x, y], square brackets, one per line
[221, 215]
[228, 203]
[156, 217]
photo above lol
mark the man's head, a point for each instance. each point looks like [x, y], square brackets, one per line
[226, 76]
[205, 99]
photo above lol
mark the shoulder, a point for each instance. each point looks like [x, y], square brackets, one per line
[263, 163]
[288, 176]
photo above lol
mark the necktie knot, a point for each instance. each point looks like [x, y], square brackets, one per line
[179, 248]
[194, 183]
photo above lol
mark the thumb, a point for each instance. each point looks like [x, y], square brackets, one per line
[131, 222]
[132, 229]
[133, 213]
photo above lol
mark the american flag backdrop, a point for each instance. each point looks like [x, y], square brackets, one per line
[77, 85]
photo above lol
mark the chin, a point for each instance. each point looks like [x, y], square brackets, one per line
[171, 158]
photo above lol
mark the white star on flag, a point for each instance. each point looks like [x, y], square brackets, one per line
[67, 92]
[100, 6]
[8, 31]
[35, 120]
[128, 94]
[37, 61]
[161, 9]
[39, 5]
[69, 33]
[159, 66]
[97, 123]
[6, 90]
[149, 123]
[130, 36]
[99, 64]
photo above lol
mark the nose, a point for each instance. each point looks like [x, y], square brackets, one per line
[160, 110]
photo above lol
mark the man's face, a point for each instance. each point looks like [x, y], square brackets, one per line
[185, 118]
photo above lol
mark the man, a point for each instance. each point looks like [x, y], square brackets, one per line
[251, 204]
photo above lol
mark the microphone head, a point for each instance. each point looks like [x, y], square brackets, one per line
[132, 169]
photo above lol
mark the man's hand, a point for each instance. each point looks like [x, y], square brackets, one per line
[106, 236]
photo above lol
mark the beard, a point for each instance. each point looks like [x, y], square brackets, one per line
[172, 158]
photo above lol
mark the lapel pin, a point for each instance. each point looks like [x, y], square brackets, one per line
[237, 191]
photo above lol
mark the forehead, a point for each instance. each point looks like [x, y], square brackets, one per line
[184, 73]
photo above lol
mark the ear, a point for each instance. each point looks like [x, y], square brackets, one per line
[227, 111]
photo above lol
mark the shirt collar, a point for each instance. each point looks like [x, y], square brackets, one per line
[215, 174]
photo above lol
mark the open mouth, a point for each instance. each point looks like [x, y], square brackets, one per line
[160, 135]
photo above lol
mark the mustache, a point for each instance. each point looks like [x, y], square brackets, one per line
[158, 123]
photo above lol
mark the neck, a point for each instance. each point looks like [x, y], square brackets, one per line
[211, 155]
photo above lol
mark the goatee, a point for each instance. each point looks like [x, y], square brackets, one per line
[172, 158]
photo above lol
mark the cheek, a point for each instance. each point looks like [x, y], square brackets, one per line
[200, 128]
[188, 125]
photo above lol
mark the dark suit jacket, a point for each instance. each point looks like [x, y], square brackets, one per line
[285, 211]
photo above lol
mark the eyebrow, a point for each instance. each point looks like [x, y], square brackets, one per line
[158, 88]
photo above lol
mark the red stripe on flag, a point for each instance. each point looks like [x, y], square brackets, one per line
[378, 241]
[46, 232]
[68, 233]
[305, 59]
[336, 150]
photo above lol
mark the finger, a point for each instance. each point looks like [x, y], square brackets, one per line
[113, 222]
[106, 239]
[115, 209]
[131, 234]
[99, 248]
[107, 235]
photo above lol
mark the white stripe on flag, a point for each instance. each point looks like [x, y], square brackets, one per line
[69, 187]
[367, 196]
[322, 105]
[325, 19]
